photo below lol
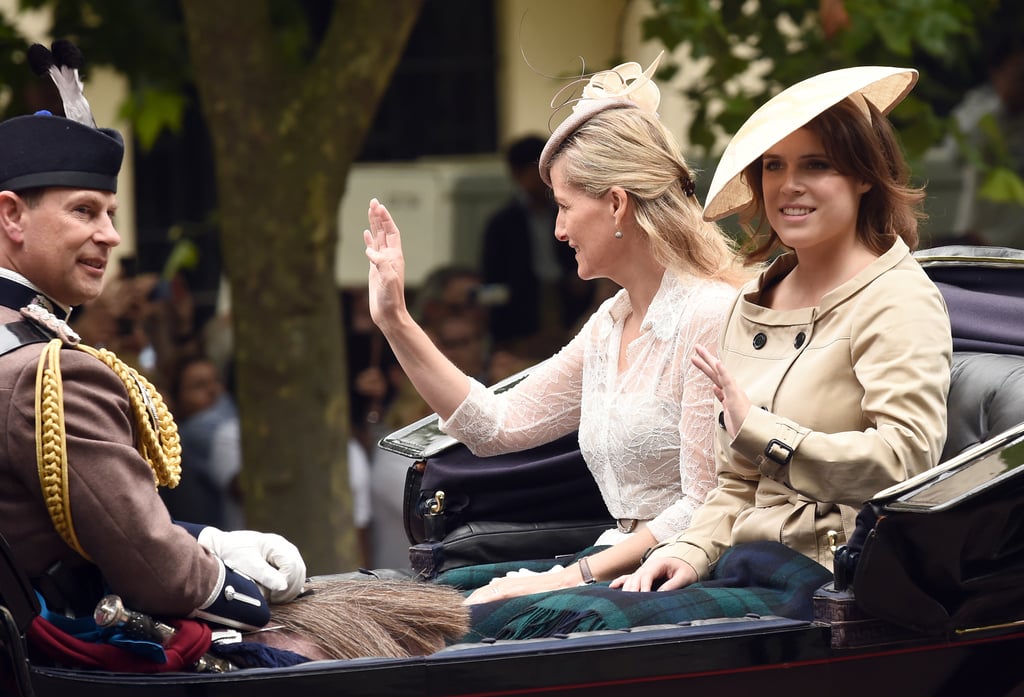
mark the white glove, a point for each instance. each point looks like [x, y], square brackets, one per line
[268, 559]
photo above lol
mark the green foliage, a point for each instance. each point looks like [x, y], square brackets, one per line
[944, 39]
[184, 255]
[1002, 185]
[145, 41]
[20, 89]
[991, 155]
[151, 110]
[737, 35]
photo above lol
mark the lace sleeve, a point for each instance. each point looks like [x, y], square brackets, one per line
[541, 408]
[697, 417]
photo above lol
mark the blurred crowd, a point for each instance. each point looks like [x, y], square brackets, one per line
[987, 146]
[517, 306]
[150, 321]
[454, 306]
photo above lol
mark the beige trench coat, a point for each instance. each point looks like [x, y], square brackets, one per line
[847, 398]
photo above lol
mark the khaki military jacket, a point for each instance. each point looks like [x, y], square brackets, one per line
[848, 398]
[156, 566]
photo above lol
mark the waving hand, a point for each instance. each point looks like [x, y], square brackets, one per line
[387, 266]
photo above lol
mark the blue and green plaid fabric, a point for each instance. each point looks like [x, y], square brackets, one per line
[766, 578]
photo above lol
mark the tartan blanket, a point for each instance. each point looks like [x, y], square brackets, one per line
[469, 578]
[766, 578]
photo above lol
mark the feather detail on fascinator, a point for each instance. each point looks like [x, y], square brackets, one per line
[628, 81]
[626, 86]
[62, 64]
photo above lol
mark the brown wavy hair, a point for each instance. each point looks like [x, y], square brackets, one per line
[867, 150]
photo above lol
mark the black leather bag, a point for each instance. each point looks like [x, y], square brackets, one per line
[535, 504]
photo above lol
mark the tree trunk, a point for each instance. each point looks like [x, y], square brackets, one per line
[285, 135]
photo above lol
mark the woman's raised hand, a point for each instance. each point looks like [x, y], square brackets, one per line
[735, 403]
[387, 265]
[441, 384]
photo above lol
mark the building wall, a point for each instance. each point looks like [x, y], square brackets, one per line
[105, 91]
[541, 42]
[442, 203]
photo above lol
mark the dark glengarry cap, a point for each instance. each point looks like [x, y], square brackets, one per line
[42, 150]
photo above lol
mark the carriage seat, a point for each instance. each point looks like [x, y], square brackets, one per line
[986, 397]
[984, 293]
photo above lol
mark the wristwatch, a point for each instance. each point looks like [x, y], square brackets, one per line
[588, 577]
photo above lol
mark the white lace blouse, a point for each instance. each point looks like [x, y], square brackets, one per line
[647, 433]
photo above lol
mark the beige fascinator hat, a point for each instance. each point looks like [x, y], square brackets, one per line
[626, 86]
[791, 109]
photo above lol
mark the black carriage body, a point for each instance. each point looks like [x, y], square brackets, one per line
[766, 656]
[967, 642]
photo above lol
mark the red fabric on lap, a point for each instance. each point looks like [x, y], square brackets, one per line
[190, 642]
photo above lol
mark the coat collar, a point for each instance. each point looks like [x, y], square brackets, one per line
[785, 263]
[16, 292]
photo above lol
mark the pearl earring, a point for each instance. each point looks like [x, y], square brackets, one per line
[618, 234]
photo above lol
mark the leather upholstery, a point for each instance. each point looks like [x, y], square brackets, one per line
[986, 397]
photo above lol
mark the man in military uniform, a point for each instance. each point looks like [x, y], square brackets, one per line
[84, 437]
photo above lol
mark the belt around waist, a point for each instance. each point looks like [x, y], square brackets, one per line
[628, 525]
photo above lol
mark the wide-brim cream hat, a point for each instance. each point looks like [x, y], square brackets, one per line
[789, 110]
[626, 86]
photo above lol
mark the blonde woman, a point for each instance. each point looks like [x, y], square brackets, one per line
[626, 382]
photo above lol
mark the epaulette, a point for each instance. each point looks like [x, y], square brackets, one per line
[38, 312]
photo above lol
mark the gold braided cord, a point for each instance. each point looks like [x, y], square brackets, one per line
[51, 454]
[159, 443]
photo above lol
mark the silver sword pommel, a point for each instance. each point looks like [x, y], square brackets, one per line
[111, 612]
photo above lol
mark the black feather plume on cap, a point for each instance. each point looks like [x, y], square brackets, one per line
[66, 54]
[62, 64]
[40, 59]
[42, 150]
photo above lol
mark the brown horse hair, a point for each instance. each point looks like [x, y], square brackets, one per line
[343, 618]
